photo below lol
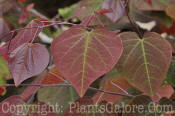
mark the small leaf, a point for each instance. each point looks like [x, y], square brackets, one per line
[117, 7]
[170, 11]
[145, 62]
[26, 35]
[28, 60]
[83, 56]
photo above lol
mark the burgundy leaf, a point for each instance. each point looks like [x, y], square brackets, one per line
[28, 60]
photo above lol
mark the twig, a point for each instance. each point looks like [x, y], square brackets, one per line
[67, 85]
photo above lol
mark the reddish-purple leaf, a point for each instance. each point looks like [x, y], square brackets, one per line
[82, 56]
[26, 35]
[28, 60]
[117, 7]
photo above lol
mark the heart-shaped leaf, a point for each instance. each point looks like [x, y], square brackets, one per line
[28, 60]
[82, 56]
[145, 62]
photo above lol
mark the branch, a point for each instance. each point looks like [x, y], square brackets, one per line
[67, 85]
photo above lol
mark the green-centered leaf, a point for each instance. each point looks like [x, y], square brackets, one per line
[145, 62]
[82, 56]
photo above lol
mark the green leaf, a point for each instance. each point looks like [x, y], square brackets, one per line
[66, 12]
[145, 62]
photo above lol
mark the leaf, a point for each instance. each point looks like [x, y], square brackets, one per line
[138, 101]
[89, 109]
[170, 11]
[164, 91]
[67, 12]
[145, 62]
[113, 86]
[117, 7]
[149, 2]
[10, 101]
[61, 96]
[157, 5]
[54, 77]
[86, 8]
[28, 60]
[30, 90]
[4, 73]
[26, 35]
[83, 56]
[171, 74]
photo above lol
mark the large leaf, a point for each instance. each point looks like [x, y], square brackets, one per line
[26, 35]
[28, 60]
[118, 9]
[82, 56]
[145, 61]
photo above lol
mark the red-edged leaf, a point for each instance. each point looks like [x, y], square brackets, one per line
[82, 56]
[26, 35]
[145, 62]
[11, 101]
[117, 85]
[164, 91]
[117, 7]
[28, 60]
